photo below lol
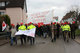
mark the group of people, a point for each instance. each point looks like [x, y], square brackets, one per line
[53, 30]
[66, 29]
[23, 37]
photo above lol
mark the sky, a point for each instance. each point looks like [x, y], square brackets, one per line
[60, 7]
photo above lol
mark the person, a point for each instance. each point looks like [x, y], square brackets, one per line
[7, 30]
[73, 28]
[58, 30]
[44, 29]
[36, 30]
[49, 30]
[13, 37]
[26, 25]
[39, 30]
[62, 25]
[17, 26]
[32, 39]
[54, 32]
[66, 28]
[23, 28]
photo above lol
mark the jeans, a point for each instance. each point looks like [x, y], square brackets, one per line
[44, 35]
[13, 39]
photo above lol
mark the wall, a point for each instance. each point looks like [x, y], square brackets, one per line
[24, 16]
[15, 14]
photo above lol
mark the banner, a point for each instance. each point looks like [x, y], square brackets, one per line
[30, 33]
[45, 17]
[55, 19]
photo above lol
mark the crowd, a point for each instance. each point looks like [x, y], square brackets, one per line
[53, 30]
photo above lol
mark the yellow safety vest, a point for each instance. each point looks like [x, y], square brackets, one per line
[31, 27]
[22, 28]
[66, 27]
[62, 27]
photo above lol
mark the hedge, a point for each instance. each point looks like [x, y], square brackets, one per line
[77, 32]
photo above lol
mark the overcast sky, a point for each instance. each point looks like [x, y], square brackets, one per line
[60, 6]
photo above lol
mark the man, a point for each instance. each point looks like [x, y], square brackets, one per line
[54, 32]
[26, 25]
[13, 37]
[66, 28]
[17, 26]
[44, 29]
[62, 25]
[32, 39]
[23, 28]
[73, 28]
[49, 30]
[58, 30]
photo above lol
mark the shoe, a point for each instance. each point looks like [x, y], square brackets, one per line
[52, 40]
[67, 40]
[11, 44]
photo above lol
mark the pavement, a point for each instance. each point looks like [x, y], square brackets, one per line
[3, 41]
[77, 39]
[43, 46]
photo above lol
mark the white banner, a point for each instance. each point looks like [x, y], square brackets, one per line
[55, 19]
[30, 33]
[45, 17]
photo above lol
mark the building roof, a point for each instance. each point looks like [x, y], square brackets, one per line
[68, 15]
[14, 3]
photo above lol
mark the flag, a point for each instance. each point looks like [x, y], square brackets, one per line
[3, 26]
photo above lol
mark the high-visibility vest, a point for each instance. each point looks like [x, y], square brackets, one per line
[66, 27]
[62, 27]
[22, 28]
[31, 27]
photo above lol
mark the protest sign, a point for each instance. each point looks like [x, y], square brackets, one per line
[30, 32]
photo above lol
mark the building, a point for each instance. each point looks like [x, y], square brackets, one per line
[69, 17]
[16, 9]
[78, 19]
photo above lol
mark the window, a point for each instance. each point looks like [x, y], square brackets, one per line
[2, 13]
[7, 3]
[2, 3]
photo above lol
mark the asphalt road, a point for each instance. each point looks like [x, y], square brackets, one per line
[43, 46]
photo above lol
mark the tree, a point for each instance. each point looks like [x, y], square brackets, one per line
[5, 18]
[1, 20]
